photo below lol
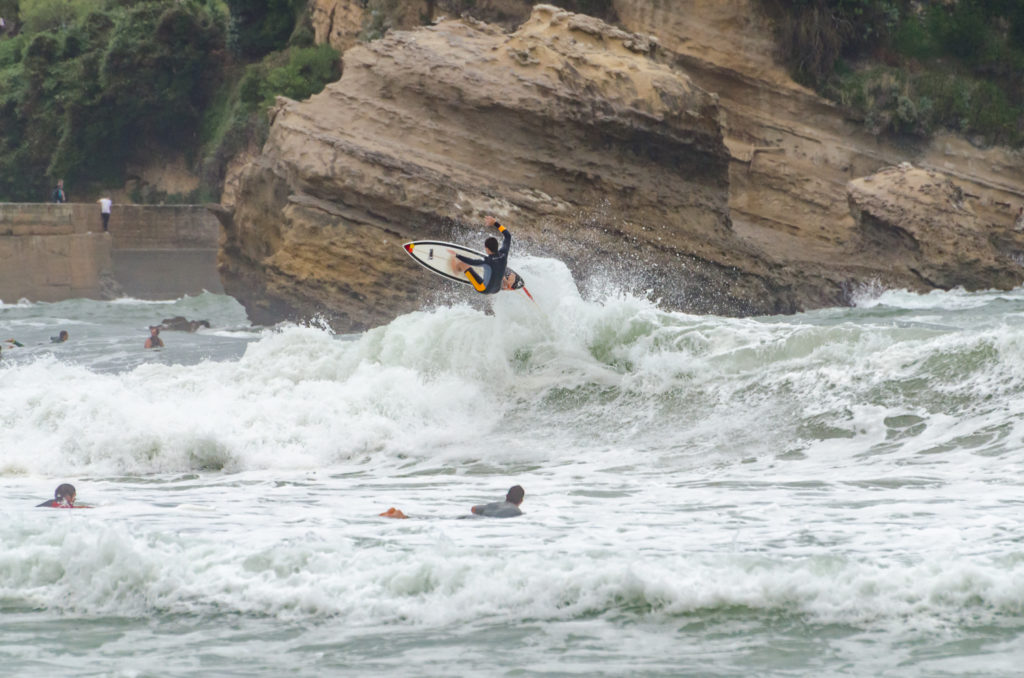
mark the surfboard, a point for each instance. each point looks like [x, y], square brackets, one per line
[73, 506]
[436, 257]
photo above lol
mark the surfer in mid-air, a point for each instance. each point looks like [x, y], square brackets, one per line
[494, 264]
[488, 272]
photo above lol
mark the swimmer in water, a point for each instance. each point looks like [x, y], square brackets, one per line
[63, 497]
[499, 509]
[503, 509]
[154, 340]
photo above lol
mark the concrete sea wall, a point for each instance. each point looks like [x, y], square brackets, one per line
[51, 252]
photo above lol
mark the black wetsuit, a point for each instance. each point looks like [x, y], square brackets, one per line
[495, 263]
[498, 509]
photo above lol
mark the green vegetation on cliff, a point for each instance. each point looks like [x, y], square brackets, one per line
[88, 87]
[911, 67]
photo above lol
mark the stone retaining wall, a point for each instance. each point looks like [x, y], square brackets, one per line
[51, 252]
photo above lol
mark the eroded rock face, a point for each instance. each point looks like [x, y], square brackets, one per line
[337, 22]
[341, 22]
[793, 155]
[567, 129]
[919, 223]
[690, 161]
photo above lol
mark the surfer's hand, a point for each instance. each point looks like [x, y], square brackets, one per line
[490, 221]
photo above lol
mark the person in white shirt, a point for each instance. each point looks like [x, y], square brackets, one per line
[105, 204]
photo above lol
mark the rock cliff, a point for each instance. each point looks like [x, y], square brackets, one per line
[919, 224]
[690, 159]
[567, 129]
[793, 156]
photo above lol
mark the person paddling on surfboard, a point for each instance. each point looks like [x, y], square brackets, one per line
[494, 264]
[63, 497]
[503, 509]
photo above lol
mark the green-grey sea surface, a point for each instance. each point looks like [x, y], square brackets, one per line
[836, 493]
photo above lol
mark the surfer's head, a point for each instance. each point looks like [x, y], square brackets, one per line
[491, 245]
[515, 495]
[65, 494]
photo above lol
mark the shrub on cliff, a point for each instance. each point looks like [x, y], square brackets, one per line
[87, 86]
[158, 71]
[102, 83]
[46, 15]
[9, 10]
[237, 118]
[257, 28]
[814, 34]
[305, 73]
[960, 64]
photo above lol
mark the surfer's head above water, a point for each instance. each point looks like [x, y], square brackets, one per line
[63, 497]
[515, 495]
[491, 245]
[65, 493]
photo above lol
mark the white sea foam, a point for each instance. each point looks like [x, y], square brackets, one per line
[21, 303]
[441, 572]
[300, 398]
[694, 484]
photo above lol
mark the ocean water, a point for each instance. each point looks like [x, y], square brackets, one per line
[836, 493]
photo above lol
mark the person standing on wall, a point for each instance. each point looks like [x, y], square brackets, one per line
[105, 204]
[58, 192]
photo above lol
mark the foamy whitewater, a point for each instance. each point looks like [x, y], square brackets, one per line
[833, 493]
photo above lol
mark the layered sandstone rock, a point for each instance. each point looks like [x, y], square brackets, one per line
[919, 224]
[341, 22]
[691, 161]
[793, 154]
[566, 129]
[337, 22]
